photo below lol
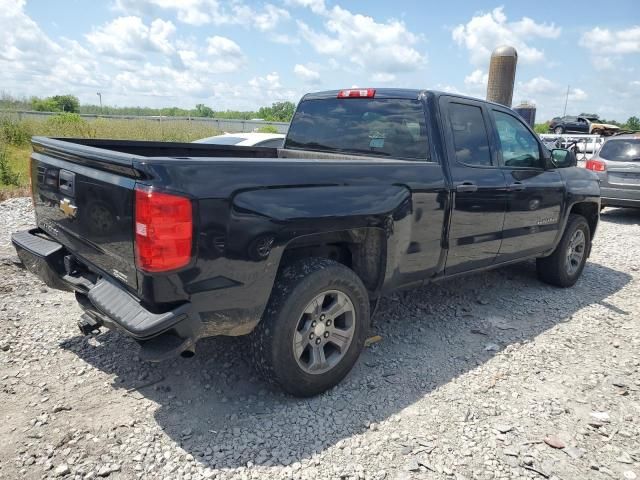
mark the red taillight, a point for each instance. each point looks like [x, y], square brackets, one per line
[596, 165]
[357, 93]
[164, 230]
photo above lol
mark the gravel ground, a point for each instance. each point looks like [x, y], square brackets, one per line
[492, 376]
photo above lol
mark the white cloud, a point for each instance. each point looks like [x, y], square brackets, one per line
[542, 86]
[306, 74]
[271, 81]
[486, 31]
[268, 89]
[538, 85]
[608, 47]
[549, 97]
[269, 18]
[284, 39]
[127, 60]
[604, 41]
[377, 47]
[316, 6]
[577, 94]
[203, 12]
[383, 77]
[24, 46]
[477, 78]
[443, 87]
[129, 37]
[222, 46]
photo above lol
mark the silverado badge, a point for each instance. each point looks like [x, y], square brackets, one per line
[68, 208]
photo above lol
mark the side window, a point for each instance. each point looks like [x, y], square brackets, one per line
[470, 137]
[519, 147]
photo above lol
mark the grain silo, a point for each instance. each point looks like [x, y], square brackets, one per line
[502, 75]
[527, 111]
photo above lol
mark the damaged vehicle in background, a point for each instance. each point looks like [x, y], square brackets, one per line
[587, 125]
[374, 190]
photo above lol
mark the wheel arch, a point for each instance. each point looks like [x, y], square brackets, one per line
[590, 211]
[363, 250]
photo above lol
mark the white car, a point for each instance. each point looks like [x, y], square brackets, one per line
[274, 140]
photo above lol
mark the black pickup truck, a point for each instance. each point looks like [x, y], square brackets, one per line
[374, 190]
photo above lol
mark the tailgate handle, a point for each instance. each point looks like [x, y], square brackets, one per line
[466, 187]
[67, 182]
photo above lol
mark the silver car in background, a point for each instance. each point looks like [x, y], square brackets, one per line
[253, 139]
[617, 164]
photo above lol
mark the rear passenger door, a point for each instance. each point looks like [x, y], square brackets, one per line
[535, 193]
[479, 186]
[570, 124]
[582, 125]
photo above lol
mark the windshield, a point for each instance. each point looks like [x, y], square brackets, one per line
[621, 150]
[392, 128]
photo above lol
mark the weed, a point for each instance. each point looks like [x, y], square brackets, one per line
[7, 175]
[268, 129]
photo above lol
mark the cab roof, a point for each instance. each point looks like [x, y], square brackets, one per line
[408, 93]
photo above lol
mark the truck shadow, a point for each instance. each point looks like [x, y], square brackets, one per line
[215, 408]
[621, 216]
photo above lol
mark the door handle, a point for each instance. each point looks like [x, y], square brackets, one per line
[516, 187]
[466, 187]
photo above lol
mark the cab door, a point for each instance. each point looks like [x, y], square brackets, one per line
[535, 192]
[479, 186]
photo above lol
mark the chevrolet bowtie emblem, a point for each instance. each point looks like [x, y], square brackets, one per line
[68, 208]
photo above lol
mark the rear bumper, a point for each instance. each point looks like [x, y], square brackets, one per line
[619, 197]
[103, 300]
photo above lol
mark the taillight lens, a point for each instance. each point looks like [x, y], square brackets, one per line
[596, 165]
[164, 230]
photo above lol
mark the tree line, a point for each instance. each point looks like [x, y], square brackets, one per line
[277, 112]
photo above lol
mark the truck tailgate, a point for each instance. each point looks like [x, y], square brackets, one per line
[84, 198]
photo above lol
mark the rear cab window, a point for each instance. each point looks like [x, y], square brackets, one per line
[384, 127]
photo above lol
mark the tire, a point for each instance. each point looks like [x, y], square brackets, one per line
[557, 269]
[558, 130]
[297, 291]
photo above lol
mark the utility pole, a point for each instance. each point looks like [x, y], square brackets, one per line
[566, 100]
[100, 97]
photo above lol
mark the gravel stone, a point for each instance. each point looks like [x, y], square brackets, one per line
[427, 396]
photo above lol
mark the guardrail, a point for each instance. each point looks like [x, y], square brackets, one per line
[223, 124]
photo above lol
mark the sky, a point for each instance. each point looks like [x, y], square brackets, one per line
[242, 54]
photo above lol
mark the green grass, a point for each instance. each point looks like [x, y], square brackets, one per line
[15, 137]
[17, 158]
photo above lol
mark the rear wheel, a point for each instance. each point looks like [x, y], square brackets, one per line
[564, 266]
[313, 328]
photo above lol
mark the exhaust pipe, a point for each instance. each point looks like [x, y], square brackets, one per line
[189, 352]
[89, 325]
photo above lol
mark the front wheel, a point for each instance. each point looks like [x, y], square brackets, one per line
[564, 266]
[313, 329]
[558, 130]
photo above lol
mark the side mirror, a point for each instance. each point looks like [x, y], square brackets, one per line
[562, 158]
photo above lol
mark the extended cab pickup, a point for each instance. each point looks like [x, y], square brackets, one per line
[374, 190]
